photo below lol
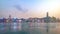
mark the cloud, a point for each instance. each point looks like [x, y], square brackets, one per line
[18, 7]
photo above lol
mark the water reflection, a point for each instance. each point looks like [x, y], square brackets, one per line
[32, 28]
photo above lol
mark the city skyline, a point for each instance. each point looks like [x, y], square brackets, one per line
[29, 8]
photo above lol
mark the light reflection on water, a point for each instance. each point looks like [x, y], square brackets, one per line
[34, 28]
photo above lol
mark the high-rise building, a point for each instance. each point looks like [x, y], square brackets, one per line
[47, 15]
[9, 19]
[48, 18]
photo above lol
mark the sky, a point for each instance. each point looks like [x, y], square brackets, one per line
[29, 8]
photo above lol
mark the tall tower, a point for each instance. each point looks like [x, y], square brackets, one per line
[9, 16]
[9, 19]
[47, 15]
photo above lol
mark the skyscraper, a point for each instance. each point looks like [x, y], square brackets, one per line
[9, 19]
[47, 15]
[10, 16]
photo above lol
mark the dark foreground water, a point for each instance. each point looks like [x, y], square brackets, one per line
[29, 28]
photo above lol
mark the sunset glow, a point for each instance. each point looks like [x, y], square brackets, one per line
[29, 8]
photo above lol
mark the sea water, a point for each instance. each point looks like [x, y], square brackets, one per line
[33, 28]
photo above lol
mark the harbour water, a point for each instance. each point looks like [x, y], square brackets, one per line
[30, 28]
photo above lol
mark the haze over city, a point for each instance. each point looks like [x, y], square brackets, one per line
[29, 8]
